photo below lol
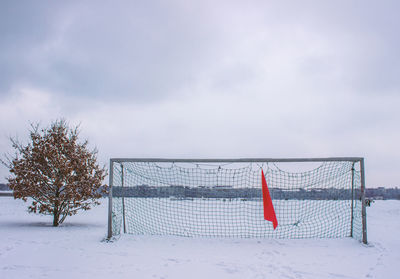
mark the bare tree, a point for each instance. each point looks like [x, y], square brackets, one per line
[57, 171]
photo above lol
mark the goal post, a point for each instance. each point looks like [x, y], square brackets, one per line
[311, 197]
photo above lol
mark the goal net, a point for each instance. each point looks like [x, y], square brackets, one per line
[310, 198]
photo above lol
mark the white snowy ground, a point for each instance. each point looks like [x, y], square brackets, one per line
[31, 248]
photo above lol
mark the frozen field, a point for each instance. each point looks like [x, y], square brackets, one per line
[31, 248]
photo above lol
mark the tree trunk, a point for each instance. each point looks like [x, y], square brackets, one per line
[56, 217]
[56, 212]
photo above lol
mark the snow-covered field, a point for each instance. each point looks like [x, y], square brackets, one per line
[31, 248]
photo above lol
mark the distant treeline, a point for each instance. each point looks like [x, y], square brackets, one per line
[4, 187]
[250, 193]
[182, 192]
[383, 193]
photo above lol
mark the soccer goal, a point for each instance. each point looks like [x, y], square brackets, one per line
[268, 198]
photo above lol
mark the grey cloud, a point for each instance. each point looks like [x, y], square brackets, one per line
[197, 78]
[147, 51]
[107, 50]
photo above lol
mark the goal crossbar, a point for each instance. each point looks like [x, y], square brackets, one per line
[250, 160]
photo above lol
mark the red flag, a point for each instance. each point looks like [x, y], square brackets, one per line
[269, 212]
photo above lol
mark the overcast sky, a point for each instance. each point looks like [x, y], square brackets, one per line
[208, 79]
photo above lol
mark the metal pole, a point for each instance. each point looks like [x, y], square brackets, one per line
[109, 234]
[363, 209]
[352, 200]
[246, 160]
[123, 198]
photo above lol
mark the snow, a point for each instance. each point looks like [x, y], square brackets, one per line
[32, 248]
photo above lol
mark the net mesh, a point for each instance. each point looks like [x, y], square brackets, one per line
[196, 199]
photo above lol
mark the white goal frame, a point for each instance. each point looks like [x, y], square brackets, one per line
[354, 160]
